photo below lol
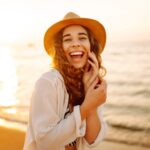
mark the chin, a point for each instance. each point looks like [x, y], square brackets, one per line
[78, 66]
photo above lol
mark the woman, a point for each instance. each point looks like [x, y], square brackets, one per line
[66, 105]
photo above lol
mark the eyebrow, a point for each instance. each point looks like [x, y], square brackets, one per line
[81, 33]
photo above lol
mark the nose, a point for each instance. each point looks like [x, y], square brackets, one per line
[75, 43]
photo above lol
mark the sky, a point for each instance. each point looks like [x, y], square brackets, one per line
[25, 21]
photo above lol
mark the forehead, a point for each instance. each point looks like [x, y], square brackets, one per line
[74, 29]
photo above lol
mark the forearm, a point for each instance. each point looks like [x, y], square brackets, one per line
[93, 127]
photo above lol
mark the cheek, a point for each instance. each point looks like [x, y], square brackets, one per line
[65, 48]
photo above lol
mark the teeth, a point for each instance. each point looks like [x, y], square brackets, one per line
[76, 53]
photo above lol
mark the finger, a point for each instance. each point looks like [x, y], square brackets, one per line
[94, 70]
[94, 73]
[94, 83]
[93, 65]
[102, 86]
[92, 79]
[87, 67]
[93, 58]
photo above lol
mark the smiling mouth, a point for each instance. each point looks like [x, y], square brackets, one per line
[76, 54]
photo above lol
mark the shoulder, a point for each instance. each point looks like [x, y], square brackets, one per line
[51, 77]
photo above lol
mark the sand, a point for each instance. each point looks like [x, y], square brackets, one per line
[12, 137]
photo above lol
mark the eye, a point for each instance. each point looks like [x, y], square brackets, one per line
[82, 38]
[66, 39]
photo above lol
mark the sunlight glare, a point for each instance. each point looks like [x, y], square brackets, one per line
[8, 78]
[10, 111]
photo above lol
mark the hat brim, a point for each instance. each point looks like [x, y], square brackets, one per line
[96, 27]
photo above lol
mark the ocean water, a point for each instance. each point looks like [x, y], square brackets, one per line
[127, 110]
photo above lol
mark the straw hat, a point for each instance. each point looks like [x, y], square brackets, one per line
[73, 19]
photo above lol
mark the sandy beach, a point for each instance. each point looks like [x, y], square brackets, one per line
[12, 137]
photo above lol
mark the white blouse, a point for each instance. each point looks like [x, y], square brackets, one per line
[47, 128]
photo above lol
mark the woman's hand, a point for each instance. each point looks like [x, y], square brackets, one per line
[95, 96]
[91, 71]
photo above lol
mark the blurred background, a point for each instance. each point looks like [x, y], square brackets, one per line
[126, 58]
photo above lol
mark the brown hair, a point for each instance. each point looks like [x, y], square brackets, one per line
[72, 76]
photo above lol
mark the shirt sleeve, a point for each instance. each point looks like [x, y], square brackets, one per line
[49, 130]
[101, 134]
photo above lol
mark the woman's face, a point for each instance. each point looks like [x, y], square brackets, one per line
[76, 45]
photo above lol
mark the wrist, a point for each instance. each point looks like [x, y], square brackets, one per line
[83, 112]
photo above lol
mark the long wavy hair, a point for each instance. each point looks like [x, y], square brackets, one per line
[72, 76]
